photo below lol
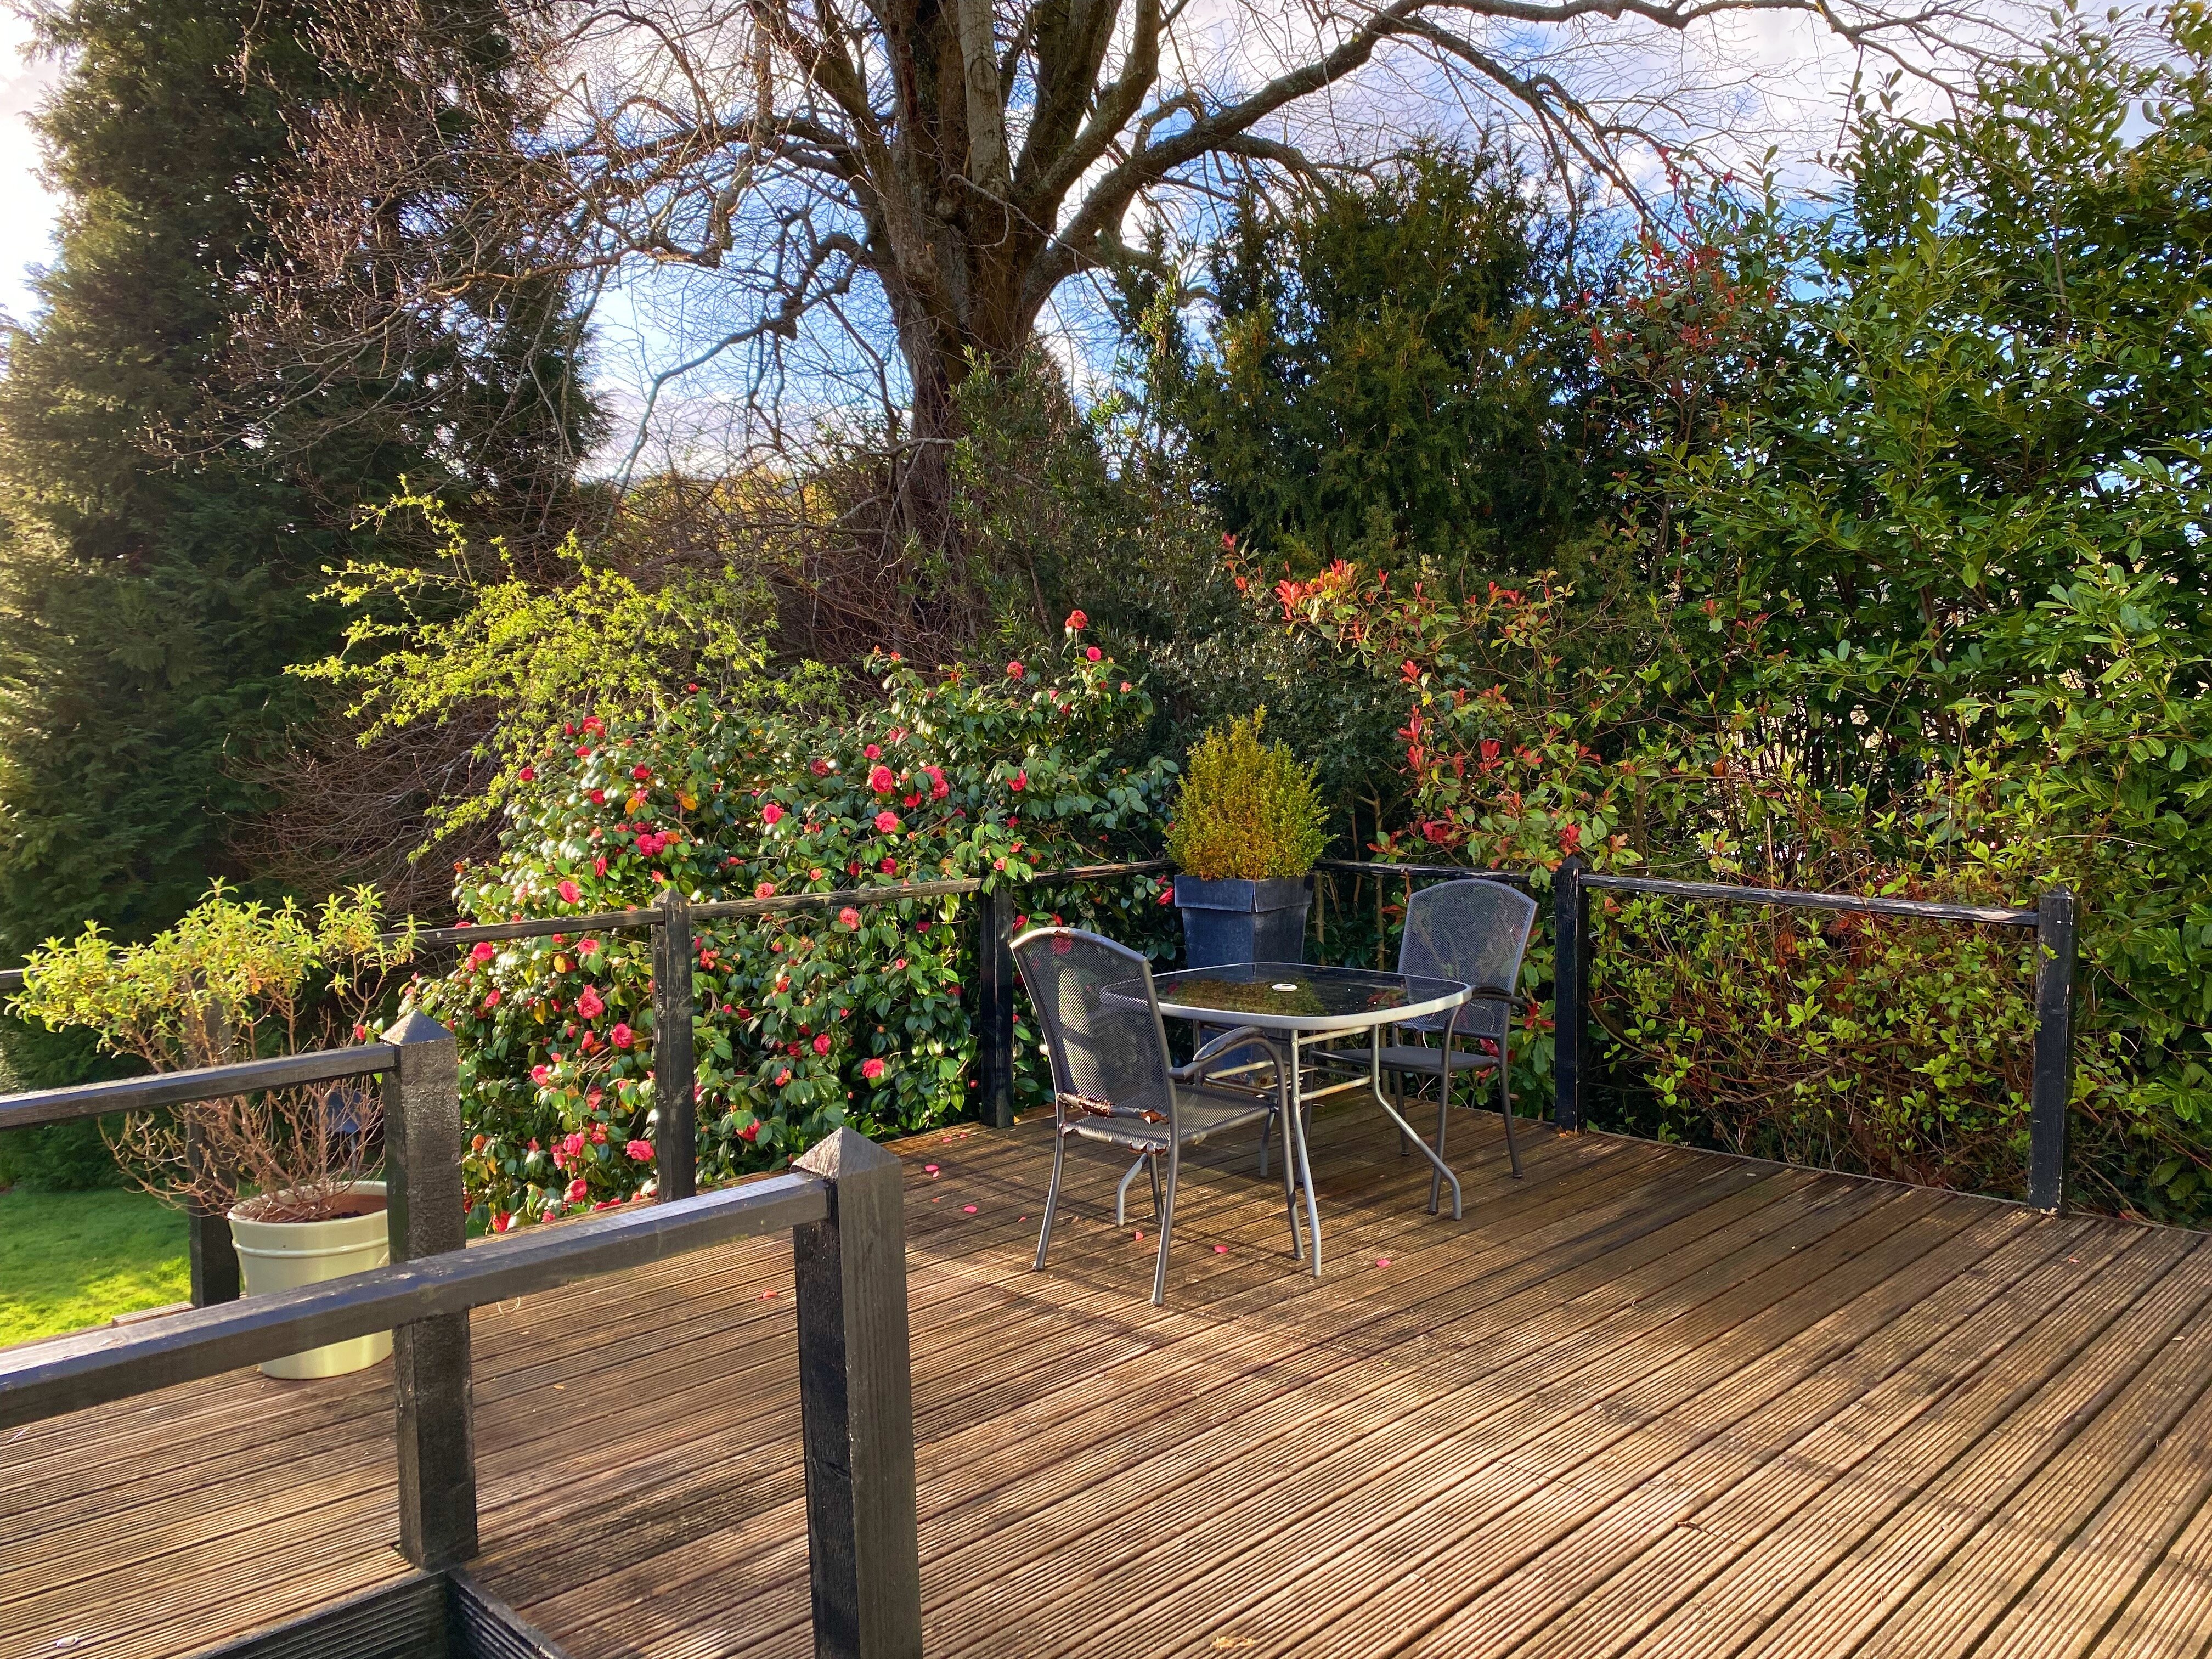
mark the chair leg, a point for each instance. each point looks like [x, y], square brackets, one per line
[1121, 1192]
[1153, 1169]
[1505, 1105]
[1167, 1224]
[1266, 1129]
[1051, 1197]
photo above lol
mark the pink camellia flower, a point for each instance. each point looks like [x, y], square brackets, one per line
[848, 917]
[593, 723]
[1019, 781]
[938, 788]
[640, 1151]
[640, 773]
[885, 822]
[881, 780]
[527, 774]
[570, 893]
[771, 815]
[1093, 654]
[783, 1077]
[821, 1043]
[590, 1004]
[541, 1075]
[1125, 685]
[1013, 670]
[899, 966]
[872, 1069]
[765, 889]
[484, 951]
[491, 998]
[622, 1036]
[873, 752]
[599, 865]
[583, 751]
[1077, 622]
[578, 1190]
[587, 947]
[573, 1143]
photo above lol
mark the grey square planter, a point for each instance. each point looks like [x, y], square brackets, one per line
[1226, 922]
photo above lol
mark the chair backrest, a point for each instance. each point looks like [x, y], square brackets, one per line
[1473, 930]
[1112, 1049]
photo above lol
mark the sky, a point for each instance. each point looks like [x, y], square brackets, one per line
[27, 212]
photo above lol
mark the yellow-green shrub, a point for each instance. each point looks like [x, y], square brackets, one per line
[1246, 809]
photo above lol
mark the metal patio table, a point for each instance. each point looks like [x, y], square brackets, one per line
[1303, 1005]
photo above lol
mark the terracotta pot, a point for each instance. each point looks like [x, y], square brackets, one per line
[283, 1255]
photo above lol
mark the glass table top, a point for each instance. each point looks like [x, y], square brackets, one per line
[1288, 995]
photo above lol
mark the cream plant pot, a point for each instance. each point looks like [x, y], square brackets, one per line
[283, 1255]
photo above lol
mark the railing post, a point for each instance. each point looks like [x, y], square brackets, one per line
[1571, 993]
[994, 1006]
[427, 1213]
[212, 1252]
[208, 1242]
[676, 1117]
[856, 1407]
[2052, 1101]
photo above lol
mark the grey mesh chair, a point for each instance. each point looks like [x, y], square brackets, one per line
[1474, 931]
[1114, 1083]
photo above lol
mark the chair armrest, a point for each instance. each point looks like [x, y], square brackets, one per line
[1236, 1039]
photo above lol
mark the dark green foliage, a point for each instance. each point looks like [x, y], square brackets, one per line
[1395, 374]
[163, 518]
[58, 1157]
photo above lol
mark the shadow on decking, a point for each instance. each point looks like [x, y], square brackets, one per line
[1645, 1399]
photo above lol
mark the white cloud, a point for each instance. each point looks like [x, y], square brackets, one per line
[27, 210]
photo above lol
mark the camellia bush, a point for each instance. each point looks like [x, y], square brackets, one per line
[805, 1021]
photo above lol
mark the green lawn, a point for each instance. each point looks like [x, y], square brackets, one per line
[71, 1260]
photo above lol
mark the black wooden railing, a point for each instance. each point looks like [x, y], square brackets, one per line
[844, 1204]
[2052, 919]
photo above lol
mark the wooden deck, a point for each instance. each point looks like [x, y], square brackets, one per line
[1644, 1401]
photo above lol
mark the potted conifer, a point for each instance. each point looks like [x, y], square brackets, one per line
[1247, 826]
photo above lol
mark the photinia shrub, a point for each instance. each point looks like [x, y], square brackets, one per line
[805, 1021]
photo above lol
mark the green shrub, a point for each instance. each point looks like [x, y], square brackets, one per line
[1246, 809]
[802, 1022]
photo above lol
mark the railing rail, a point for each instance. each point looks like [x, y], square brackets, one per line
[2052, 919]
[844, 1203]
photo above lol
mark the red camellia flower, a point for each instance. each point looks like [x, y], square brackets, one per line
[622, 1036]
[819, 766]
[881, 780]
[873, 752]
[1019, 781]
[871, 1069]
[640, 773]
[1013, 670]
[751, 1131]
[1077, 622]
[765, 889]
[527, 774]
[1093, 654]
[570, 893]
[771, 815]
[590, 1005]
[540, 1074]
[579, 1189]
[885, 822]
[484, 951]
[583, 751]
[640, 1152]
[821, 1043]
[574, 1144]
[599, 865]
[783, 1077]
[501, 1221]
[361, 1033]
[599, 797]
[491, 998]
[848, 917]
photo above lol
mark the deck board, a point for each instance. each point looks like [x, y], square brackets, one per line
[1644, 1400]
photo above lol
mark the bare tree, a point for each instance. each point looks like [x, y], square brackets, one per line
[932, 171]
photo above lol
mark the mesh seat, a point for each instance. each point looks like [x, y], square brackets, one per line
[1474, 931]
[1113, 1081]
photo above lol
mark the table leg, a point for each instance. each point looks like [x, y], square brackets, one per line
[1294, 1151]
[1375, 1080]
